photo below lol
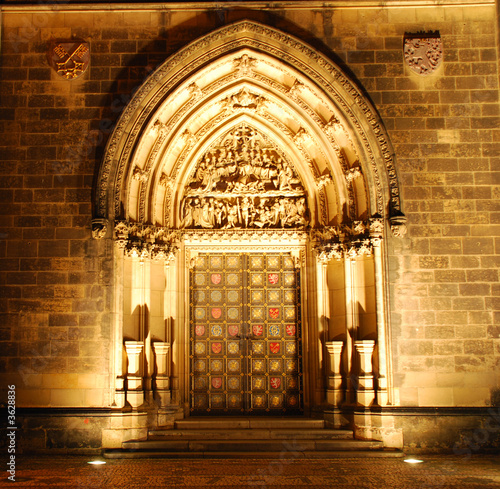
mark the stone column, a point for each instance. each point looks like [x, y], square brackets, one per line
[383, 389]
[365, 393]
[135, 392]
[335, 390]
[162, 378]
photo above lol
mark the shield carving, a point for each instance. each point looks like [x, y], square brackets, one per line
[274, 347]
[216, 347]
[274, 313]
[216, 382]
[216, 278]
[273, 278]
[216, 312]
[290, 329]
[275, 382]
[69, 58]
[257, 329]
[233, 329]
[199, 330]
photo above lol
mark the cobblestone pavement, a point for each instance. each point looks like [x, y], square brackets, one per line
[388, 473]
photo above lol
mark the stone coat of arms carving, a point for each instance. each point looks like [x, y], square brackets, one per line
[70, 58]
[423, 52]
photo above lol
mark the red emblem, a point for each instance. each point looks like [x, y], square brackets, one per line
[216, 347]
[216, 278]
[275, 382]
[274, 347]
[290, 329]
[216, 382]
[233, 329]
[216, 312]
[257, 329]
[199, 330]
[274, 278]
[274, 312]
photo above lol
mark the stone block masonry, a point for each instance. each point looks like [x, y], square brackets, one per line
[56, 283]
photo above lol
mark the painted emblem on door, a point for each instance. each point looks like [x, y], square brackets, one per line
[216, 278]
[199, 330]
[274, 313]
[274, 347]
[216, 382]
[273, 278]
[233, 329]
[290, 329]
[216, 312]
[275, 382]
[257, 329]
[216, 347]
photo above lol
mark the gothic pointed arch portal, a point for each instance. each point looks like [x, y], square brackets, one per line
[249, 143]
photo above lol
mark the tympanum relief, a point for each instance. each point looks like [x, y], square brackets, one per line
[244, 181]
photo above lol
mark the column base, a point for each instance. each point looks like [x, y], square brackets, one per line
[135, 398]
[365, 397]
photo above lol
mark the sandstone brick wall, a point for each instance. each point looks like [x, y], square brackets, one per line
[56, 282]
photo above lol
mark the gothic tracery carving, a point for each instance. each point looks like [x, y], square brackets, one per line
[244, 182]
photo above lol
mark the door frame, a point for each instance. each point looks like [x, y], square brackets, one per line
[295, 243]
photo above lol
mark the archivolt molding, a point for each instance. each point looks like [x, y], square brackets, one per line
[340, 113]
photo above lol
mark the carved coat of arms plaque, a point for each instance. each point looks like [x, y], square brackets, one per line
[423, 52]
[70, 58]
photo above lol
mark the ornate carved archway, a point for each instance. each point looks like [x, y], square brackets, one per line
[248, 137]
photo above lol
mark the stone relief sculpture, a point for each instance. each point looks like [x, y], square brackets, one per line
[244, 183]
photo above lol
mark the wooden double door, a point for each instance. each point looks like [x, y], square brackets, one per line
[245, 334]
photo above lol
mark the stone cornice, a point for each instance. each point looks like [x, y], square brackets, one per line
[251, 4]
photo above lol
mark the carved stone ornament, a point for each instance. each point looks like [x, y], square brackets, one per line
[423, 52]
[245, 64]
[146, 241]
[243, 182]
[69, 58]
[398, 225]
[349, 241]
[99, 228]
[244, 100]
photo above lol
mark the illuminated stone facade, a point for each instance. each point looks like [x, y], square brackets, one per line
[356, 146]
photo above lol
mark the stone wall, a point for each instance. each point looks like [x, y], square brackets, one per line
[56, 281]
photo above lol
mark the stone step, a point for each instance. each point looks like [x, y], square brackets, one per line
[200, 423]
[382, 453]
[255, 446]
[258, 433]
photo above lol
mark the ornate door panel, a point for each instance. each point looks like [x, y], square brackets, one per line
[245, 334]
